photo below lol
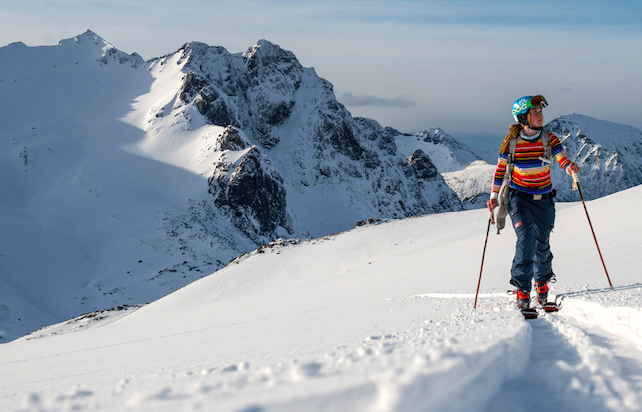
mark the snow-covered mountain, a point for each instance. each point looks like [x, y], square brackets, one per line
[609, 154]
[123, 180]
[447, 153]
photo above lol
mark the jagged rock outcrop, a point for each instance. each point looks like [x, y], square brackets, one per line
[250, 191]
[211, 103]
[422, 166]
[230, 139]
[305, 138]
[273, 77]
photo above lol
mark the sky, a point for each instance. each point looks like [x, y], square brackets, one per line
[412, 65]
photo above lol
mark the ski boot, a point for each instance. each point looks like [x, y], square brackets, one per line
[523, 299]
[524, 304]
[542, 297]
[542, 292]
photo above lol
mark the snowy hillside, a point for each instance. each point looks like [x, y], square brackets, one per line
[379, 318]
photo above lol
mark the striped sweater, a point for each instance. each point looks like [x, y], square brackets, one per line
[530, 173]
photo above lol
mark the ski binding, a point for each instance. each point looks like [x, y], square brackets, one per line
[550, 307]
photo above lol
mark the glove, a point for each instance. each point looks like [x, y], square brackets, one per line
[572, 169]
[491, 204]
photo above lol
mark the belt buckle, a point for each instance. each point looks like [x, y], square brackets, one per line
[537, 197]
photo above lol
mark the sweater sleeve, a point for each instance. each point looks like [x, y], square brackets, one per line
[500, 171]
[558, 151]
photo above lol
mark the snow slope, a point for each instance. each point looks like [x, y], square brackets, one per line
[379, 318]
[90, 220]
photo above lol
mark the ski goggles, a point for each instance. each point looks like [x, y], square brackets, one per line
[537, 102]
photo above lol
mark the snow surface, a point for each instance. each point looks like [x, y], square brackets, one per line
[379, 318]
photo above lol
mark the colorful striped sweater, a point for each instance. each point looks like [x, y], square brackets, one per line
[530, 173]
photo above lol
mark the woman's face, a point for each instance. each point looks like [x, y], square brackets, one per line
[537, 117]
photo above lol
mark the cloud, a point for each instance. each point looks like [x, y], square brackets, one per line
[354, 100]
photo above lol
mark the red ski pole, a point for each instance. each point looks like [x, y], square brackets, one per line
[576, 186]
[491, 220]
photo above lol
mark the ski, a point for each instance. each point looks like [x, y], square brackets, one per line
[529, 313]
[550, 307]
[532, 312]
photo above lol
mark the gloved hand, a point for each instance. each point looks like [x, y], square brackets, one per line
[572, 169]
[492, 204]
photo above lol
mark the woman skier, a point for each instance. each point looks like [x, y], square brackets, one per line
[523, 175]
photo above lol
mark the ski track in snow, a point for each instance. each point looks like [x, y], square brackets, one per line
[585, 357]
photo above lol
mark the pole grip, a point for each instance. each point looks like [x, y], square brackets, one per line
[575, 181]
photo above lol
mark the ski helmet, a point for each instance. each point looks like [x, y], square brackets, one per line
[524, 104]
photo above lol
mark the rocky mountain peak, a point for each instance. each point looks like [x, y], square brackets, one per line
[89, 36]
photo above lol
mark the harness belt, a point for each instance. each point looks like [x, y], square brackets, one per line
[519, 193]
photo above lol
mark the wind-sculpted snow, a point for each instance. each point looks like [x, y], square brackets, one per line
[428, 364]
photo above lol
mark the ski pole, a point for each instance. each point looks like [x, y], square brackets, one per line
[491, 220]
[576, 186]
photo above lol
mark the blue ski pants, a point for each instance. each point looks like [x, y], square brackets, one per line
[533, 222]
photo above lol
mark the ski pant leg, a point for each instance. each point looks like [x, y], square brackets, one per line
[533, 221]
[544, 222]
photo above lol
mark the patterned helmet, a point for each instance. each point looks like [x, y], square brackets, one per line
[524, 104]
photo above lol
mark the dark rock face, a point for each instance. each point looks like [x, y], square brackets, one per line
[430, 192]
[422, 166]
[254, 92]
[273, 76]
[340, 135]
[209, 101]
[230, 140]
[253, 195]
